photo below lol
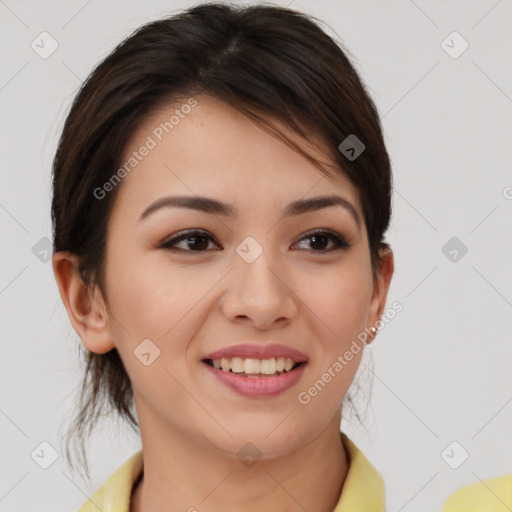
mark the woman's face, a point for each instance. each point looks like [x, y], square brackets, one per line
[254, 277]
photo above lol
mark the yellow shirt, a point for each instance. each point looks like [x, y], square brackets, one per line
[493, 495]
[363, 489]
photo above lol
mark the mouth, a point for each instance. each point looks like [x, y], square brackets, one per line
[255, 368]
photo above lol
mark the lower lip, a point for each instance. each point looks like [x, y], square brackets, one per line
[258, 387]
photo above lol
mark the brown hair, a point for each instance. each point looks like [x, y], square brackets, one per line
[268, 62]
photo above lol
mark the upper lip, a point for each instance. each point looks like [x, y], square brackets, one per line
[249, 350]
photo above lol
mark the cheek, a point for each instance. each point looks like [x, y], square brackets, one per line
[337, 304]
[337, 299]
[151, 299]
[157, 304]
[160, 302]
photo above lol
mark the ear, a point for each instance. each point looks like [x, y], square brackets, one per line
[381, 287]
[84, 304]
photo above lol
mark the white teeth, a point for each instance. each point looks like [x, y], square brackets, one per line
[268, 366]
[254, 366]
[237, 364]
[225, 364]
[288, 364]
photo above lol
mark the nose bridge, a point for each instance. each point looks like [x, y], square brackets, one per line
[258, 290]
[255, 265]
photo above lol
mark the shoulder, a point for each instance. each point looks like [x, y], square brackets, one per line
[492, 495]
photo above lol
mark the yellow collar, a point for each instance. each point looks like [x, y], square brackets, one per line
[363, 488]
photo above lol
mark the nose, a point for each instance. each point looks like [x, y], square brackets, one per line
[260, 293]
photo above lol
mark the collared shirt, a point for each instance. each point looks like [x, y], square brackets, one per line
[363, 489]
[492, 495]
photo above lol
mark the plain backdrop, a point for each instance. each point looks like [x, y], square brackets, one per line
[442, 368]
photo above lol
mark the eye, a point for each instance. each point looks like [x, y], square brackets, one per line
[197, 242]
[319, 239]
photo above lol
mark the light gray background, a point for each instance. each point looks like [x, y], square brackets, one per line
[442, 366]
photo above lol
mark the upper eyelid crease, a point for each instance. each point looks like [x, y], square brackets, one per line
[215, 207]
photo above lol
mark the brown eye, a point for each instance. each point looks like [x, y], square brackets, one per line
[319, 241]
[196, 241]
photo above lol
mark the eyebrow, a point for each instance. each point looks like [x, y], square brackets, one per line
[215, 207]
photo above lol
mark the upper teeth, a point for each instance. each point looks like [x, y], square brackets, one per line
[263, 366]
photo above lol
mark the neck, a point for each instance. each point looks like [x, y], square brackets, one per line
[182, 474]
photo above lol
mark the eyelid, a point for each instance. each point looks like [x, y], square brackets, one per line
[340, 240]
[324, 231]
[177, 237]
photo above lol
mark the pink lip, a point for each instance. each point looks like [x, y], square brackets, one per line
[258, 387]
[248, 350]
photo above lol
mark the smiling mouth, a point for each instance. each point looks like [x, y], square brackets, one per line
[254, 367]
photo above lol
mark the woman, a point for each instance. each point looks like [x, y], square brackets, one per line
[221, 195]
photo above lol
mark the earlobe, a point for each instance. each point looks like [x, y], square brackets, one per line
[86, 313]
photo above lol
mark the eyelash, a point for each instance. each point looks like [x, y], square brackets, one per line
[339, 241]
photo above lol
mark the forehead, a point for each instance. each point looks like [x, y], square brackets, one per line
[213, 149]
